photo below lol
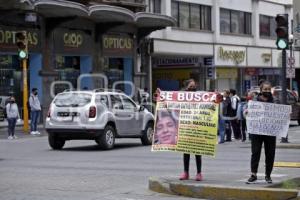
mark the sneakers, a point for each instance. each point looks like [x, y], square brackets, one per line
[10, 137]
[199, 177]
[35, 133]
[15, 137]
[252, 179]
[184, 176]
[268, 179]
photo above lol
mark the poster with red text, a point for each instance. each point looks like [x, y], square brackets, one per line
[186, 122]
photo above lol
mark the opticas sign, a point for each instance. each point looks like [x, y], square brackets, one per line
[9, 37]
[117, 44]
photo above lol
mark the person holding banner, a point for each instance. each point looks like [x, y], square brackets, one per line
[190, 86]
[257, 140]
[166, 128]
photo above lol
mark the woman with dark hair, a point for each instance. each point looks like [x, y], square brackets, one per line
[265, 95]
[166, 128]
[12, 116]
[190, 86]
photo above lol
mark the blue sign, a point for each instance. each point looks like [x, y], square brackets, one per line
[208, 61]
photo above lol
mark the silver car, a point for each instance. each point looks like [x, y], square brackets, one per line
[98, 115]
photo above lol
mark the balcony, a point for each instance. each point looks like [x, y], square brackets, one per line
[133, 5]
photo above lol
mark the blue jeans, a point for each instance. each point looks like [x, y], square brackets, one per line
[221, 130]
[34, 119]
[11, 126]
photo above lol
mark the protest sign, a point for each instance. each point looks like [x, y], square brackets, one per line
[186, 122]
[268, 118]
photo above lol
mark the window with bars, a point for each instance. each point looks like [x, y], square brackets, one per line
[192, 16]
[232, 21]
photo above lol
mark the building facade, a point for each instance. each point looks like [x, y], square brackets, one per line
[222, 44]
[75, 44]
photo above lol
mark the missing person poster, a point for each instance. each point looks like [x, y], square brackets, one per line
[268, 118]
[186, 122]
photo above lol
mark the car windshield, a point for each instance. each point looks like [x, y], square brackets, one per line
[72, 99]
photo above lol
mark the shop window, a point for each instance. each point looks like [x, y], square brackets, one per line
[11, 77]
[68, 68]
[191, 16]
[267, 26]
[115, 72]
[235, 22]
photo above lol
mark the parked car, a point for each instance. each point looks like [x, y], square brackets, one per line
[292, 100]
[99, 115]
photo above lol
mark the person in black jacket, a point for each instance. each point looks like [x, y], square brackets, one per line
[265, 95]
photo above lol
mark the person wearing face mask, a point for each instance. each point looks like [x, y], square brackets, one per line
[12, 116]
[265, 95]
[35, 109]
[190, 86]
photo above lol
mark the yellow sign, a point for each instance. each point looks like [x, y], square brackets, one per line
[227, 73]
[186, 122]
[236, 56]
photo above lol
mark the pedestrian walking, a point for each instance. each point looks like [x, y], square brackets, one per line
[190, 85]
[13, 115]
[265, 95]
[35, 109]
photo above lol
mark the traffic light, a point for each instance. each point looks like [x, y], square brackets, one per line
[282, 31]
[22, 43]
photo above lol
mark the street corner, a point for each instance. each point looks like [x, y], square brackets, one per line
[216, 192]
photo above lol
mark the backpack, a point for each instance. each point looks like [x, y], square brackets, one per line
[232, 112]
[28, 104]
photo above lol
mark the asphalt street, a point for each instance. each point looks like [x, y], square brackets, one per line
[29, 169]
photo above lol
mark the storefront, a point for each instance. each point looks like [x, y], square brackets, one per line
[170, 72]
[11, 73]
[72, 58]
[230, 61]
[118, 54]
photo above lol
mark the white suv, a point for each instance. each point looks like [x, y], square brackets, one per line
[99, 115]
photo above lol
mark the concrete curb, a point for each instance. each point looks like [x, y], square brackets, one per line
[288, 146]
[219, 192]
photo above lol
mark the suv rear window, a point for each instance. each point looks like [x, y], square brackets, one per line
[72, 99]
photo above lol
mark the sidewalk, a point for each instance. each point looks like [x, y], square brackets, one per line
[227, 186]
[19, 130]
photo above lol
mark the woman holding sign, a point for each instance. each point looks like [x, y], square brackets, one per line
[190, 86]
[265, 95]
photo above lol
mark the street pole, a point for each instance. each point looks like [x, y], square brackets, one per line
[25, 96]
[283, 85]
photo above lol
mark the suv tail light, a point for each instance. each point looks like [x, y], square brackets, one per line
[92, 112]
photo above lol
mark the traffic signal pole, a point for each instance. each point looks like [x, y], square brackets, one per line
[25, 96]
[283, 78]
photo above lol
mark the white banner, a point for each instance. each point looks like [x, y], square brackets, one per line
[268, 118]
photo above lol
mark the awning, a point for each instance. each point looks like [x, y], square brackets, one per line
[149, 22]
[106, 13]
[102, 13]
[60, 8]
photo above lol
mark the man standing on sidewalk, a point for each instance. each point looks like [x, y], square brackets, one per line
[35, 109]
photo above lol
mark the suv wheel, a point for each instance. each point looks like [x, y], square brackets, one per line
[299, 122]
[147, 134]
[55, 142]
[107, 139]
